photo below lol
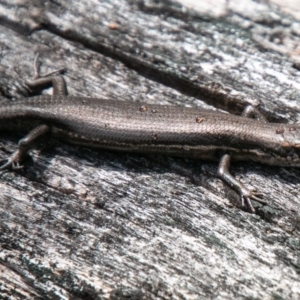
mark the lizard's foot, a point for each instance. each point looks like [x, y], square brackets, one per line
[13, 162]
[58, 83]
[246, 194]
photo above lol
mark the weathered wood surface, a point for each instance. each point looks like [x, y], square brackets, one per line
[88, 224]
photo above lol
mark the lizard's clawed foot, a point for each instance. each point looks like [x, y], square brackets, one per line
[13, 162]
[246, 194]
[38, 80]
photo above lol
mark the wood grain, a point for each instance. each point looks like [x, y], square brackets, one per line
[86, 224]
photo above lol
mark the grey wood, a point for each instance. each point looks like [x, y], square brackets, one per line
[87, 224]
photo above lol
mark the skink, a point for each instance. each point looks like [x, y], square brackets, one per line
[145, 128]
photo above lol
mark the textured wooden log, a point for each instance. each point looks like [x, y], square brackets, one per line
[80, 223]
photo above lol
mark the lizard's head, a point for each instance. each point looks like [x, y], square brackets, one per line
[286, 150]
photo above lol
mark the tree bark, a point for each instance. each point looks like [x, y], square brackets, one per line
[81, 223]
